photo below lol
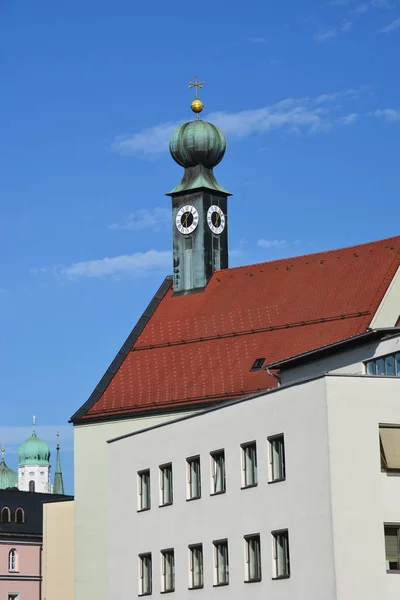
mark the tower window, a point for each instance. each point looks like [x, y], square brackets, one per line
[19, 515]
[31, 486]
[188, 243]
[5, 515]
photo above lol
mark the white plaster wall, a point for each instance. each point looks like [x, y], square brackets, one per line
[301, 503]
[389, 309]
[349, 363]
[91, 500]
[363, 498]
[40, 475]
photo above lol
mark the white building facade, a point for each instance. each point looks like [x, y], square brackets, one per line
[291, 494]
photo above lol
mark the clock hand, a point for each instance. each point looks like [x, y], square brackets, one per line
[216, 220]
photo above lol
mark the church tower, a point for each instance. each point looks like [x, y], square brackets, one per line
[199, 203]
[34, 464]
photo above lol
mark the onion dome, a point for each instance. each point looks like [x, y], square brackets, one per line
[34, 451]
[198, 143]
[8, 477]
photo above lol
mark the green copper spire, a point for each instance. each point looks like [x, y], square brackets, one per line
[58, 487]
[8, 477]
[198, 146]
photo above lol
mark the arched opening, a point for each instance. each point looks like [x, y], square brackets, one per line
[5, 515]
[12, 560]
[31, 486]
[19, 515]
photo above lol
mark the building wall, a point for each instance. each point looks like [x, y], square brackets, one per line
[363, 498]
[91, 501]
[302, 503]
[344, 363]
[58, 551]
[26, 580]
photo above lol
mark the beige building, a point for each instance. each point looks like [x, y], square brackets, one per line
[58, 551]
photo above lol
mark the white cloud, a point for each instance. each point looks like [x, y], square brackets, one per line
[271, 243]
[390, 114]
[347, 119]
[148, 141]
[155, 219]
[140, 263]
[323, 35]
[14, 436]
[305, 115]
[391, 27]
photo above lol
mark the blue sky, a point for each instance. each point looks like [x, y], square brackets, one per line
[308, 96]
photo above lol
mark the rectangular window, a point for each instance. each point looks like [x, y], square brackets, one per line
[392, 547]
[166, 485]
[196, 566]
[280, 541]
[144, 490]
[13, 596]
[194, 478]
[277, 468]
[253, 557]
[390, 447]
[168, 570]
[221, 562]
[249, 464]
[145, 574]
[388, 365]
[218, 482]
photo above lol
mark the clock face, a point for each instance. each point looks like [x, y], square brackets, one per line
[216, 219]
[187, 219]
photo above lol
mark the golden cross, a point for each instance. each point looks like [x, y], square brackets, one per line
[196, 84]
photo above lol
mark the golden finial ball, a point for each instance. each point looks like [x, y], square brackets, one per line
[197, 106]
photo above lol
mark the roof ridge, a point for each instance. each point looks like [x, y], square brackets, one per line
[323, 252]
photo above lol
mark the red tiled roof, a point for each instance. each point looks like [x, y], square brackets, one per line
[200, 347]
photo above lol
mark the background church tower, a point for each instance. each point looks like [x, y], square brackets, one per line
[33, 464]
[199, 203]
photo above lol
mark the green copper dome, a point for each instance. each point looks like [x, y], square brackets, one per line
[8, 477]
[33, 451]
[197, 143]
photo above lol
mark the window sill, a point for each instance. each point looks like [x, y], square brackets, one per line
[196, 587]
[167, 591]
[280, 577]
[246, 487]
[253, 580]
[220, 584]
[165, 504]
[144, 594]
[277, 480]
[12, 571]
[190, 500]
[218, 493]
[143, 510]
[393, 571]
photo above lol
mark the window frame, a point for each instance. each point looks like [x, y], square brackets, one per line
[248, 539]
[164, 588]
[215, 454]
[272, 440]
[284, 534]
[189, 462]
[140, 475]
[370, 365]
[396, 526]
[216, 544]
[192, 549]
[143, 557]
[19, 511]
[5, 511]
[383, 460]
[170, 484]
[246, 483]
